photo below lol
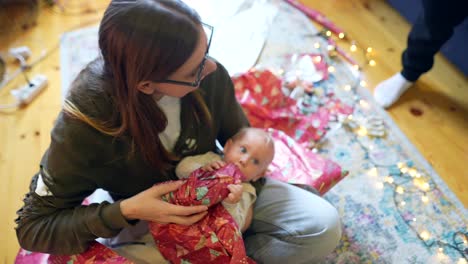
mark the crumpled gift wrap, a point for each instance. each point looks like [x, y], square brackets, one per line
[260, 94]
[96, 254]
[295, 164]
[214, 239]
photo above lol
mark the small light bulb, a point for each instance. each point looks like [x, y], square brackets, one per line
[400, 190]
[400, 165]
[341, 35]
[353, 48]
[347, 87]
[425, 199]
[369, 50]
[328, 33]
[317, 45]
[403, 203]
[425, 235]
[425, 186]
[331, 69]
[362, 131]
[363, 83]
[364, 104]
[330, 47]
[414, 219]
[373, 172]
[417, 182]
[317, 59]
[404, 170]
[379, 185]
[372, 63]
[441, 250]
[389, 179]
[413, 172]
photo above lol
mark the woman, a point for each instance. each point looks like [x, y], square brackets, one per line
[153, 98]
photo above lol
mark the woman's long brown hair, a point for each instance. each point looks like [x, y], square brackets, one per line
[144, 40]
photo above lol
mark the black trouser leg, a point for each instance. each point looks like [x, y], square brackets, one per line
[433, 27]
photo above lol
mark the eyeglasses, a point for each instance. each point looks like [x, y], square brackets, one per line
[209, 32]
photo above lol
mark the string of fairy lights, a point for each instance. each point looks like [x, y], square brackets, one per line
[402, 173]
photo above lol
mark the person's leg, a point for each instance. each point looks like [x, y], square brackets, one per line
[136, 244]
[291, 225]
[433, 27]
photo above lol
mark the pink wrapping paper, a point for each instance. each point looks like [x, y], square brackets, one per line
[297, 165]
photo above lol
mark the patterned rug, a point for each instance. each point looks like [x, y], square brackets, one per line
[394, 207]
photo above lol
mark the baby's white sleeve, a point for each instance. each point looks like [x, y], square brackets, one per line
[240, 209]
[191, 163]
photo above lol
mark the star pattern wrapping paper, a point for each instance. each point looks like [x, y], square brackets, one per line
[214, 239]
[97, 253]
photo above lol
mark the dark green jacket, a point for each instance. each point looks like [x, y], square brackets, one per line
[80, 159]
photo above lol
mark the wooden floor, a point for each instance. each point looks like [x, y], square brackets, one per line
[440, 132]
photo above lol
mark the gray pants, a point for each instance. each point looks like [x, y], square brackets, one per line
[290, 225]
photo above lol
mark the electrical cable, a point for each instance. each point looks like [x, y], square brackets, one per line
[10, 106]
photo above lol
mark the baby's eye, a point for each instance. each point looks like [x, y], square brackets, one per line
[243, 150]
[255, 161]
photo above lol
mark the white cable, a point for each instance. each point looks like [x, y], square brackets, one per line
[10, 77]
[9, 106]
[24, 66]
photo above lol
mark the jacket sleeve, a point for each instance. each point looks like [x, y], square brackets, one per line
[233, 117]
[52, 219]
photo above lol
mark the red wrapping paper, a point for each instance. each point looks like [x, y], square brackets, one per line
[260, 95]
[214, 239]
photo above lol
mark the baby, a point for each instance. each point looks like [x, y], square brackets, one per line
[251, 150]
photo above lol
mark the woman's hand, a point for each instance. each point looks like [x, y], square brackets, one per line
[235, 195]
[149, 206]
[215, 165]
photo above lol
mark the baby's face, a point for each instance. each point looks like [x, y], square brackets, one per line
[250, 153]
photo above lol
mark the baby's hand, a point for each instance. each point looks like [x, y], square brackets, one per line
[214, 165]
[235, 195]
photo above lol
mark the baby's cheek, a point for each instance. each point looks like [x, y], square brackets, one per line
[248, 175]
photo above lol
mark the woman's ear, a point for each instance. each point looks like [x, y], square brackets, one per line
[146, 87]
